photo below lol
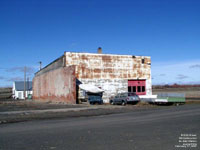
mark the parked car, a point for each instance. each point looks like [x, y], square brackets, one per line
[124, 98]
[92, 99]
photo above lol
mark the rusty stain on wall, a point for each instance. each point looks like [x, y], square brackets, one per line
[108, 66]
[110, 72]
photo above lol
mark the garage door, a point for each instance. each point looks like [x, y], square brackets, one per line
[137, 86]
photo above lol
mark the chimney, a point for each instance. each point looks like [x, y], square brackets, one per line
[99, 50]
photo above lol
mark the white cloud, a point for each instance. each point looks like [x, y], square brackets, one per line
[195, 66]
[181, 76]
[175, 72]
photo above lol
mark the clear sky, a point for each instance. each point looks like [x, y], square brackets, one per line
[41, 30]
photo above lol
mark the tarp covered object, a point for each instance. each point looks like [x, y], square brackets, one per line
[90, 88]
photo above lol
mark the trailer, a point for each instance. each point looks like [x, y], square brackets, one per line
[164, 98]
[170, 98]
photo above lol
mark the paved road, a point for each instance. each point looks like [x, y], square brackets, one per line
[151, 129]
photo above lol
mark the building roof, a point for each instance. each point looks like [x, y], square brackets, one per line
[19, 85]
[103, 54]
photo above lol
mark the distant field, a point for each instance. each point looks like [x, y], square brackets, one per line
[5, 93]
[191, 93]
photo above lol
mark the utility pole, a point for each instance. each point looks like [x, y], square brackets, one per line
[28, 92]
[25, 83]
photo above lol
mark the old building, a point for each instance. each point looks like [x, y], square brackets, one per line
[111, 73]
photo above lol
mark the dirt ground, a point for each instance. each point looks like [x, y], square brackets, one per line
[9, 110]
[18, 105]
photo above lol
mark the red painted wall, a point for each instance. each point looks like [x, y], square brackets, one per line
[56, 85]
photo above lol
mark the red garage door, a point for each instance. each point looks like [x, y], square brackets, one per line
[137, 86]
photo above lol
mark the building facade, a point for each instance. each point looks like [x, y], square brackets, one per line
[111, 73]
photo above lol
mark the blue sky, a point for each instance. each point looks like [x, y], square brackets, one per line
[41, 30]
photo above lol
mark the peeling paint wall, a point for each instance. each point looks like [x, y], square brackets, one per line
[110, 72]
[110, 86]
[56, 85]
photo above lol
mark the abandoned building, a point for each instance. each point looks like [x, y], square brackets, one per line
[112, 74]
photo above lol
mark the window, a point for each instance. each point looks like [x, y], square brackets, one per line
[137, 86]
[143, 88]
[134, 89]
[139, 89]
[143, 61]
[121, 96]
[129, 89]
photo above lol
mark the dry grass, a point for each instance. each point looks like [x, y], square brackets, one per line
[5, 93]
[20, 105]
